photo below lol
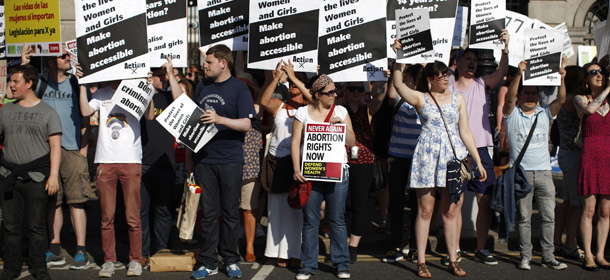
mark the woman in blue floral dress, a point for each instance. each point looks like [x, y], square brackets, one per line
[432, 153]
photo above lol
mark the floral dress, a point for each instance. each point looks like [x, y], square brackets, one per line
[433, 150]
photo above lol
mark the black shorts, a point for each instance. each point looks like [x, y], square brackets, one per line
[485, 187]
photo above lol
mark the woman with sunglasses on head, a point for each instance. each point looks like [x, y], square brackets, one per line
[284, 223]
[323, 92]
[434, 149]
[593, 177]
[360, 157]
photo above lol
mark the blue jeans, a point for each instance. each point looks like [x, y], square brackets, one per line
[156, 195]
[334, 194]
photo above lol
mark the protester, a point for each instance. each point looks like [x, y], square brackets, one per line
[520, 113]
[284, 224]
[158, 167]
[361, 161]
[61, 92]
[433, 151]
[568, 214]
[475, 91]
[405, 131]
[323, 92]
[30, 170]
[593, 177]
[218, 165]
[119, 155]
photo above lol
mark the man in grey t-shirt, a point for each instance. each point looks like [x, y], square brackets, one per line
[29, 171]
[60, 90]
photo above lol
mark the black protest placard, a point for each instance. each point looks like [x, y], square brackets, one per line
[112, 39]
[274, 35]
[543, 49]
[167, 31]
[351, 45]
[2, 41]
[413, 29]
[487, 19]
[193, 130]
[223, 22]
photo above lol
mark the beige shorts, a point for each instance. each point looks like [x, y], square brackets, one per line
[249, 195]
[74, 178]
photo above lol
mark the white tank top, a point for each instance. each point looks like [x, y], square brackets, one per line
[282, 132]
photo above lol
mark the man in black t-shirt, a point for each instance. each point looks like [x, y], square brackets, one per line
[158, 164]
[227, 103]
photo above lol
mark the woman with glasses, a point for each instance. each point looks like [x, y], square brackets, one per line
[360, 157]
[323, 92]
[434, 149]
[594, 178]
[284, 223]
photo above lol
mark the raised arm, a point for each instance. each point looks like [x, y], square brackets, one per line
[288, 68]
[493, 80]
[513, 88]
[556, 105]
[271, 104]
[173, 83]
[26, 54]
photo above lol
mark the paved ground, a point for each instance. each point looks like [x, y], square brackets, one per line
[369, 265]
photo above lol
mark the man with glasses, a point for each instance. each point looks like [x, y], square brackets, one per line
[60, 90]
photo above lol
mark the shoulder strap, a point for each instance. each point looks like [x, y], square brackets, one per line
[527, 142]
[74, 84]
[330, 113]
[443, 118]
[44, 82]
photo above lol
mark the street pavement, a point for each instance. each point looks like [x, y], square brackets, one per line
[369, 266]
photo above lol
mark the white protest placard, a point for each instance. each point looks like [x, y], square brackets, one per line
[223, 22]
[352, 39]
[413, 31]
[586, 54]
[442, 22]
[73, 53]
[537, 24]
[167, 32]
[487, 20]
[112, 39]
[3, 70]
[543, 49]
[2, 38]
[181, 120]
[323, 152]
[568, 50]
[461, 25]
[516, 23]
[285, 30]
[133, 96]
[602, 38]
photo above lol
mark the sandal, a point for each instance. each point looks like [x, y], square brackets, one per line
[422, 271]
[575, 253]
[456, 270]
[281, 263]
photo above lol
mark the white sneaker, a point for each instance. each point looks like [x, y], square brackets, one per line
[524, 264]
[554, 264]
[134, 268]
[107, 270]
[343, 274]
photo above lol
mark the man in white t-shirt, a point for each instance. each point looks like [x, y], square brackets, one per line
[119, 155]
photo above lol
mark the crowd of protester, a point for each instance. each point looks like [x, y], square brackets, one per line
[406, 130]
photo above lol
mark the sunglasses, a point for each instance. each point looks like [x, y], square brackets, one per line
[329, 93]
[63, 56]
[355, 88]
[189, 74]
[442, 77]
[594, 72]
